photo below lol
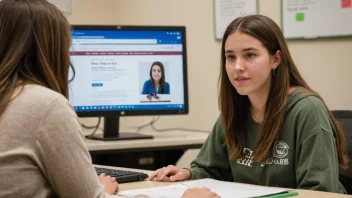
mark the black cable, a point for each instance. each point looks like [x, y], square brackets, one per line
[96, 127]
[179, 129]
[88, 127]
[169, 129]
[151, 123]
[155, 119]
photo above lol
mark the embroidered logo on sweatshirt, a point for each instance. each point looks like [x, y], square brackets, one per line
[247, 158]
[278, 156]
[280, 149]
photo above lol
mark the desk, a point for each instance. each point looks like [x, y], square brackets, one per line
[150, 184]
[149, 154]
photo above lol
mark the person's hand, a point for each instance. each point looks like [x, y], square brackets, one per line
[199, 192]
[149, 97]
[110, 185]
[176, 174]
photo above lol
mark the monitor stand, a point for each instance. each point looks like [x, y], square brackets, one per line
[111, 131]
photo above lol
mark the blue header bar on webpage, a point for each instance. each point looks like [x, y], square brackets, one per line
[174, 37]
[129, 107]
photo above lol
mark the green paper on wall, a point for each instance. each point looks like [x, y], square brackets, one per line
[299, 17]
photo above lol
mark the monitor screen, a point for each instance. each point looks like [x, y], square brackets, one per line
[128, 70]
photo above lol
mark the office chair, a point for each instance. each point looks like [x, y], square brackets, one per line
[344, 117]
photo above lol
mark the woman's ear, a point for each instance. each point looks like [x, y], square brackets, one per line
[277, 58]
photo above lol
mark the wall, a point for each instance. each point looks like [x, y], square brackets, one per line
[325, 64]
[92, 12]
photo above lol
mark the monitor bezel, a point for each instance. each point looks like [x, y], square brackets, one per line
[117, 113]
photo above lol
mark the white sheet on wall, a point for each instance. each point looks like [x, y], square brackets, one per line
[63, 5]
[316, 18]
[226, 11]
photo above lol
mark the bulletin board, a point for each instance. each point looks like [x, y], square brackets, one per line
[225, 11]
[308, 19]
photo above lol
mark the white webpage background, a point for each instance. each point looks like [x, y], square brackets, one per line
[81, 89]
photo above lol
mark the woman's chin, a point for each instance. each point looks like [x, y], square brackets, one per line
[242, 91]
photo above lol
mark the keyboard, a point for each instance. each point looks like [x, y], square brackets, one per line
[122, 176]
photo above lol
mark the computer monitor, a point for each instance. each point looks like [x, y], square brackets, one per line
[126, 71]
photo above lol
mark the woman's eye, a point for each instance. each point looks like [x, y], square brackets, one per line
[230, 58]
[251, 55]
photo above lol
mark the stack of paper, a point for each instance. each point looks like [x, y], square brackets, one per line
[223, 189]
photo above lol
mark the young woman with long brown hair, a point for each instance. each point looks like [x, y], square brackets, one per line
[156, 84]
[274, 130]
[42, 150]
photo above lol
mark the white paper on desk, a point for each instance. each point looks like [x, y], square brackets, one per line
[171, 191]
[224, 189]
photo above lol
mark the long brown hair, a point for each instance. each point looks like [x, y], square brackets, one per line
[34, 47]
[235, 108]
[162, 79]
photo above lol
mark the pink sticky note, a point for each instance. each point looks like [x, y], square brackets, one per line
[346, 3]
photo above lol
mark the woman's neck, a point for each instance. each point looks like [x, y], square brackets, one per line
[258, 102]
[157, 83]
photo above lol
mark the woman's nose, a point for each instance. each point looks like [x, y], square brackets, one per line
[239, 65]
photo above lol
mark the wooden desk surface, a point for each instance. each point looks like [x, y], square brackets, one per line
[161, 139]
[150, 184]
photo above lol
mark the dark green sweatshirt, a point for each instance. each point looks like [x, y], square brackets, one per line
[304, 156]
